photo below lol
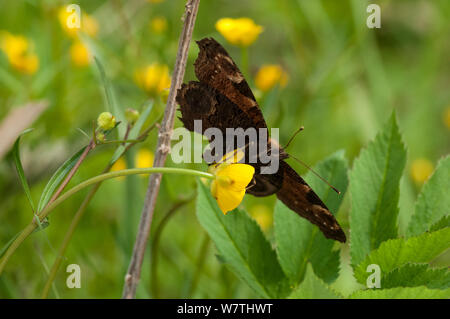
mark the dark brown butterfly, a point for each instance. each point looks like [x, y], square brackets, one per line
[223, 99]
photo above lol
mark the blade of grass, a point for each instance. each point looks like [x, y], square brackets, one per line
[19, 167]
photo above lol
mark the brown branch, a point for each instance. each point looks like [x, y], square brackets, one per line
[163, 147]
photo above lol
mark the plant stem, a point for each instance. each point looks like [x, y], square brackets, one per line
[162, 149]
[100, 178]
[80, 213]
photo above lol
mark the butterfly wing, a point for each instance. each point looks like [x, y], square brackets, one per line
[215, 67]
[299, 197]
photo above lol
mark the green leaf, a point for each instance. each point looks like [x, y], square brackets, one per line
[397, 252]
[243, 246]
[20, 172]
[433, 202]
[412, 275]
[110, 99]
[401, 293]
[299, 241]
[313, 287]
[440, 224]
[57, 178]
[374, 189]
[134, 132]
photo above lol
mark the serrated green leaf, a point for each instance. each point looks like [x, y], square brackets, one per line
[134, 132]
[374, 189]
[402, 293]
[433, 202]
[243, 246]
[313, 287]
[440, 224]
[300, 242]
[396, 252]
[57, 178]
[20, 172]
[412, 275]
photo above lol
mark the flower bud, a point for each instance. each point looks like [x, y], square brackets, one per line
[106, 121]
[100, 137]
[131, 115]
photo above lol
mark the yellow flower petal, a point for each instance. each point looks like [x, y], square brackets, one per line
[241, 32]
[421, 169]
[270, 75]
[80, 55]
[144, 158]
[228, 199]
[230, 184]
[153, 78]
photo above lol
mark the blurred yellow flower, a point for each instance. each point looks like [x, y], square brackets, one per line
[153, 78]
[158, 24]
[447, 117]
[270, 75]
[18, 50]
[262, 215]
[119, 165]
[79, 54]
[143, 159]
[88, 24]
[241, 32]
[155, 1]
[230, 184]
[421, 169]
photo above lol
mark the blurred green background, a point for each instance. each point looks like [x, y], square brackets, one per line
[340, 80]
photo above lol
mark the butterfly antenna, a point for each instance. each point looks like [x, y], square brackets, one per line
[293, 136]
[323, 179]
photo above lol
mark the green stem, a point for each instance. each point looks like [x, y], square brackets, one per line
[244, 61]
[100, 178]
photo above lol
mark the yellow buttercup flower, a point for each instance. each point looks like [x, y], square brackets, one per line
[144, 158]
[241, 32]
[447, 117]
[262, 215]
[18, 51]
[88, 24]
[158, 24]
[153, 78]
[230, 184]
[270, 75]
[421, 169]
[80, 54]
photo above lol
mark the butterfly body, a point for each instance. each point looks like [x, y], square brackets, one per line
[222, 99]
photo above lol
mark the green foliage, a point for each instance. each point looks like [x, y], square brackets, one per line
[375, 179]
[242, 246]
[433, 204]
[57, 178]
[420, 292]
[19, 168]
[313, 287]
[411, 275]
[395, 253]
[134, 132]
[300, 242]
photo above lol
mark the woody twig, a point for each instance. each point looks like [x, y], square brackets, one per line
[163, 147]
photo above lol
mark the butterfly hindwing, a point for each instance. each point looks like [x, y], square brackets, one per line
[299, 197]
